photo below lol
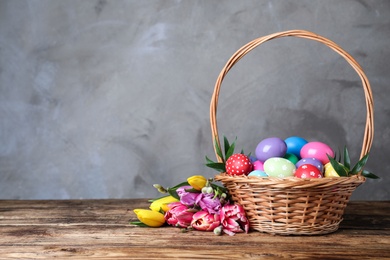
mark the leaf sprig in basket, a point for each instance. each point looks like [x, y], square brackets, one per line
[344, 169]
[232, 163]
[228, 151]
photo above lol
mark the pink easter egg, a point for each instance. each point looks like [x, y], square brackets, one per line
[317, 150]
[258, 165]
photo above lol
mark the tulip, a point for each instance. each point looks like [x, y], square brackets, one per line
[202, 220]
[233, 219]
[162, 203]
[178, 215]
[208, 202]
[187, 198]
[150, 218]
[197, 181]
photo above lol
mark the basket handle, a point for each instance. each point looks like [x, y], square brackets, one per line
[369, 128]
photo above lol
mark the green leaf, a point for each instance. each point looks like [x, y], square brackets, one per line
[370, 175]
[184, 183]
[217, 187]
[347, 160]
[172, 191]
[231, 150]
[341, 171]
[217, 166]
[359, 166]
[192, 190]
[139, 223]
[174, 194]
[208, 160]
[218, 149]
[226, 144]
[157, 198]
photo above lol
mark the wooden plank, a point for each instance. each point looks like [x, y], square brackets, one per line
[101, 229]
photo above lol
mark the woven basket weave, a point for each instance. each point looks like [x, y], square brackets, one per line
[293, 206]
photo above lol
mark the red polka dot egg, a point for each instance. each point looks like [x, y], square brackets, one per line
[308, 171]
[238, 164]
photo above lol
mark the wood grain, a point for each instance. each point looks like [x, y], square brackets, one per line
[100, 229]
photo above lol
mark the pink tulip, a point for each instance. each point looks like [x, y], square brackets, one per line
[178, 215]
[187, 198]
[233, 219]
[202, 220]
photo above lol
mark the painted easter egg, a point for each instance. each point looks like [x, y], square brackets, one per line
[257, 165]
[258, 173]
[307, 171]
[279, 167]
[317, 150]
[330, 171]
[291, 157]
[295, 144]
[270, 147]
[313, 161]
[238, 164]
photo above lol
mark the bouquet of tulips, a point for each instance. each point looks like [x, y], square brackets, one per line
[196, 204]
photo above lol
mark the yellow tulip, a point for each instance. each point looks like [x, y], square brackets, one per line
[197, 181]
[150, 218]
[162, 203]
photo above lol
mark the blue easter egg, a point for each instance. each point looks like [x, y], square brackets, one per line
[295, 144]
[258, 173]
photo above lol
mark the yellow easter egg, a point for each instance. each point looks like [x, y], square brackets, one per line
[330, 171]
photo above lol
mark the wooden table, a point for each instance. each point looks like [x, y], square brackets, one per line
[100, 229]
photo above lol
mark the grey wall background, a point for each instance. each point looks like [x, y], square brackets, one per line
[101, 99]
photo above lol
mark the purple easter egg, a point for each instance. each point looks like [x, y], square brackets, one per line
[313, 161]
[270, 147]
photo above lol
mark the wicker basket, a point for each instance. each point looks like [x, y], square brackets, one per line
[293, 206]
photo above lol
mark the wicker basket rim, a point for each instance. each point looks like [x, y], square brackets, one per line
[291, 182]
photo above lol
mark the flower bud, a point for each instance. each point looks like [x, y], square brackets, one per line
[209, 190]
[197, 181]
[149, 217]
[218, 230]
[160, 188]
[162, 203]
